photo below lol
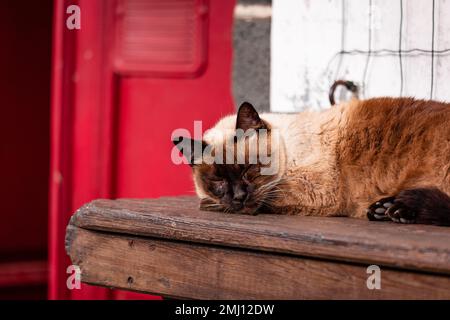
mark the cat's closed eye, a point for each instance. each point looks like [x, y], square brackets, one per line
[219, 188]
[250, 173]
[245, 170]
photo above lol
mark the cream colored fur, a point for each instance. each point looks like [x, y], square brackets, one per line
[307, 158]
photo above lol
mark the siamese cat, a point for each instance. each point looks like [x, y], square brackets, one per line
[383, 158]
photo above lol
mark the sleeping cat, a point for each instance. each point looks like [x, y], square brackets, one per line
[384, 158]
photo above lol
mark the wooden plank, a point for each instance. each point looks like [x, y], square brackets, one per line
[415, 247]
[190, 270]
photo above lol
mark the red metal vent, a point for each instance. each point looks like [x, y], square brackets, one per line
[163, 37]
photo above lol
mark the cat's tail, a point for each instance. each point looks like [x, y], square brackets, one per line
[422, 205]
[349, 85]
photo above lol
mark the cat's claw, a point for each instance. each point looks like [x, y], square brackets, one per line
[391, 209]
[377, 211]
[400, 213]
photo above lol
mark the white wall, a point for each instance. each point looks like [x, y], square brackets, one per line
[306, 35]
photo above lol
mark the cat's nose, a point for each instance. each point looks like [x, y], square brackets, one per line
[239, 195]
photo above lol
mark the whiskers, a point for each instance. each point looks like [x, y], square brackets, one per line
[269, 193]
[227, 209]
[210, 205]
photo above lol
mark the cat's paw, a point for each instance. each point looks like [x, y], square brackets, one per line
[420, 205]
[377, 210]
[400, 212]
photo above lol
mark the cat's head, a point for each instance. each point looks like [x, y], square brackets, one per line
[238, 164]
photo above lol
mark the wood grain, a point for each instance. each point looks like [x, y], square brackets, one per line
[198, 271]
[413, 247]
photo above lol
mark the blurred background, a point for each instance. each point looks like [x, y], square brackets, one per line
[88, 112]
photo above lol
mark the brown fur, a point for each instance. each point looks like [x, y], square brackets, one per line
[340, 161]
[390, 145]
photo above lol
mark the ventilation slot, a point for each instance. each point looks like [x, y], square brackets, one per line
[164, 37]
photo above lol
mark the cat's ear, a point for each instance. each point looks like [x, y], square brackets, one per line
[191, 149]
[248, 118]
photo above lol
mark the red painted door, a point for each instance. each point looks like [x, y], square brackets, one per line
[134, 72]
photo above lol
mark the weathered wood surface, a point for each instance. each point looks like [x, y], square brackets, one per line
[412, 247]
[191, 270]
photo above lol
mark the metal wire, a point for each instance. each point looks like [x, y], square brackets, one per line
[400, 52]
[369, 52]
[432, 52]
[400, 48]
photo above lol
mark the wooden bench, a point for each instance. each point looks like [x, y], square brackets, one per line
[169, 247]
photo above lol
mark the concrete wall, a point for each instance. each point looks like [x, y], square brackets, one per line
[251, 61]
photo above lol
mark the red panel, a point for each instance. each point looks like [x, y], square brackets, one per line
[81, 136]
[150, 110]
[24, 122]
[111, 133]
[23, 273]
[25, 32]
[59, 199]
